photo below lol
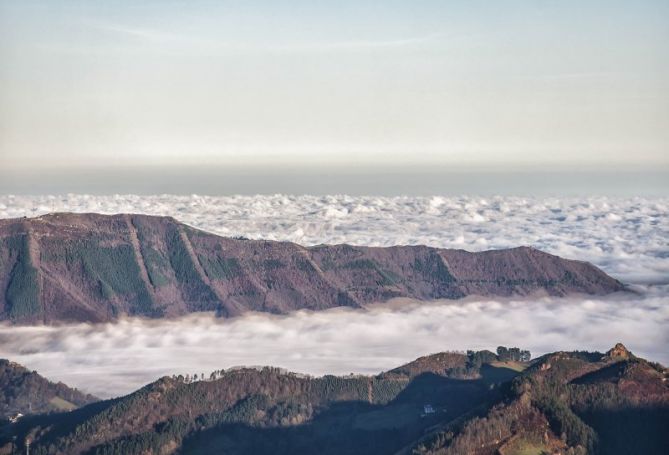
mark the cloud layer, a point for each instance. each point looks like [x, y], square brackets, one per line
[112, 359]
[627, 237]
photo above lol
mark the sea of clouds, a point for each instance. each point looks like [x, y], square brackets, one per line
[627, 237]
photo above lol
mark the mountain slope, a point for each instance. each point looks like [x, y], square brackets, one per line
[89, 267]
[26, 392]
[224, 413]
[447, 403]
[571, 403]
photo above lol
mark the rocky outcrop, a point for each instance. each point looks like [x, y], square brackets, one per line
[619, 351]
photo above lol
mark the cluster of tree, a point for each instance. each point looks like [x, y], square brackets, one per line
[219, 374]
[516, 415]
[199, 296]
[563, 419]
[22, 292]
[385, 391]
[487, 431]
[515, 354]
[110, 270]
[477, 358]
[155, 261]
[188, 379]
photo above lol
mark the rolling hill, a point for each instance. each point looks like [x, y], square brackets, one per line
[96, 268]
[448, 403]
[26, 392]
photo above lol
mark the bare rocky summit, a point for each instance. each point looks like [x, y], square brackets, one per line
[95, 268]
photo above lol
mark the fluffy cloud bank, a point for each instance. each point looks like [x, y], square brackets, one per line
[112, 359]
[627, 237]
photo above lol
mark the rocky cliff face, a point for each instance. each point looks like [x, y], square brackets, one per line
[89, 267]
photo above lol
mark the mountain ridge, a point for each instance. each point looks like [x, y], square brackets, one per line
[479, 402]
[96, 268]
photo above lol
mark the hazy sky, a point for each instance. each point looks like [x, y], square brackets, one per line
[249, 82]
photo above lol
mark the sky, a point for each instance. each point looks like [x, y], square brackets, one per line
[350, 83]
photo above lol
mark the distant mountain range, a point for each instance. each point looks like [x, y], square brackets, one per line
[478, 403]
[96, 268]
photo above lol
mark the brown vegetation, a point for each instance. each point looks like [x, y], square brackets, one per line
[88, 267]
[585, 403]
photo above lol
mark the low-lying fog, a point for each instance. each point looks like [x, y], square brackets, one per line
[113, 359]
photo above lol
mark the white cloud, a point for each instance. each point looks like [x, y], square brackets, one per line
[112, 359]
[627, 237]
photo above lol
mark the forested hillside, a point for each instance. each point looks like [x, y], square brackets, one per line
[447, 403]
[570, 403]
[95, 268]
[26, 392]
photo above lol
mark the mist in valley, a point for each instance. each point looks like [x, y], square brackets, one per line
[117, 358]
